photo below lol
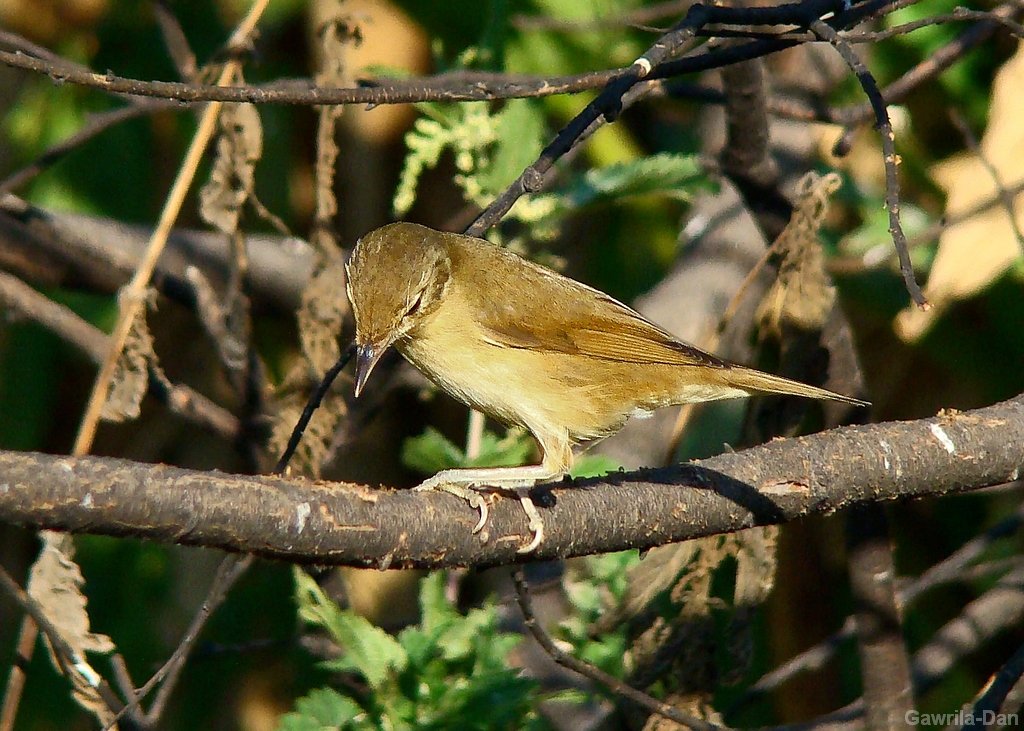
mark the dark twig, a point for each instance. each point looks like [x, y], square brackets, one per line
[889, 157]
[56, 318]
[458, 86]
[932, 66]
[230, 570]
[607, 105]
[1005, 197]
[96, 124]
[995, 691]
[613, 684]
[176, 42]
[27, 635]
[311, 406]
[949, 569]
[992, 613]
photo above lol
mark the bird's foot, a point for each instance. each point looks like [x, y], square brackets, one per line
[473, 494]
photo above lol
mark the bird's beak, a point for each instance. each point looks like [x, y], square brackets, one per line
[366, 358]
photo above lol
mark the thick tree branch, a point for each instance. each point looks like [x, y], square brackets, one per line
[328, 523]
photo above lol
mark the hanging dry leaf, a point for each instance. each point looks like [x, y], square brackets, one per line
[233, 177]
[130, 381]
[55, 583]
[802, 294]
[974, 253]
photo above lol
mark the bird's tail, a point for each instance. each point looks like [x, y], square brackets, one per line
[749, 379]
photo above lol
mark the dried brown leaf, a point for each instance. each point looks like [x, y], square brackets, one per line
[130, 381]
[233, 175]
[802, 295]
[55, 584]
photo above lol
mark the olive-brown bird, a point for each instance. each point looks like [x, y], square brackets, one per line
[527, 346]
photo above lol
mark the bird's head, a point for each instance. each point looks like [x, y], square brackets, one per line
[397, 275]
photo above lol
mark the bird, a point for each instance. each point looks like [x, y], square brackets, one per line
[527, 346]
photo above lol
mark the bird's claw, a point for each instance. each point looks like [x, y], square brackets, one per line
[478, 501]
[536, 522]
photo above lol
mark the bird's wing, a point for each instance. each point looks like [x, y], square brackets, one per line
[594, 325]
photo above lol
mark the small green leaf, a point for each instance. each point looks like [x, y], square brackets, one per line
[323, 709]
[368, 649]
[668, 174]
[431, 452]
[520, 135]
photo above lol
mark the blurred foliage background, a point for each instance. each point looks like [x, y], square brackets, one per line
[251, 668]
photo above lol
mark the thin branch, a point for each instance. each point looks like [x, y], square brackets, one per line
[94, 126]
[889, 157]
[990, 701]
[92, 341]
[27, 634]
[71, 249]
[995, 611]
[607, 106]
[885, 668]
[1005, 197]
[949, 569]
[456, 86]
[333, 523]
[134, 295]
[613, 684]
[231, 569]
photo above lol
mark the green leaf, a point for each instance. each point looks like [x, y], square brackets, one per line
[322, 709]
[368, 649]
[669, 174]
[432, 452]
[520, 134]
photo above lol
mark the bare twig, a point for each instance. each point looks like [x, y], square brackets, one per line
[889, 157]
[1005, 197]
[96, 124]
[27, 634]
[176, 42]
[180, 399]
[134, 297]
[230, 570]
[613, 684]
[456, 86]
[947, 570]
[607, 105]
[990, 701]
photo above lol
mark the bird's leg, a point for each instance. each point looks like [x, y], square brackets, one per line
[467, 484]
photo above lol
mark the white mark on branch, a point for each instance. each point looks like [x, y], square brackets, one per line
[888, 450]
[87, 500]
[943, 438]
[302, 511]
[644, 64]
[66, 467]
